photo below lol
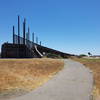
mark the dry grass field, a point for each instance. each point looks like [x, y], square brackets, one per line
[94, 65]
[26, 74]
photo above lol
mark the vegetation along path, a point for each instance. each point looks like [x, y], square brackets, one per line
[74, 82]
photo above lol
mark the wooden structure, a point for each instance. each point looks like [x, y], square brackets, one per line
[22, 47]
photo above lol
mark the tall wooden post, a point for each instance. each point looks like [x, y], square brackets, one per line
[18, 29]
[40, 43]
[24, 31]
[36, 40]
[33, 37]
[13, 35]
[28, 33]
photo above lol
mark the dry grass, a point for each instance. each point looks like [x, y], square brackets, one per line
[94, 65]
[26, 74]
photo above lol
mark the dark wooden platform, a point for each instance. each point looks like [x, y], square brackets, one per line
[10, 50]
[15, 51]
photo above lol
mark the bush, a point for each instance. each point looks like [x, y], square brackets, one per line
[50, 55]
[82, 55]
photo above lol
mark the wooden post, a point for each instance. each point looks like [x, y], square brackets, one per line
[36, 40]
[40, 43]
[13, 35]
[18, 29]
[28, 33]
[33, 37]
[24, 31]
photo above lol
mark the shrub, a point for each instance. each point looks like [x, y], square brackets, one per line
[50, 55]
[82, 55]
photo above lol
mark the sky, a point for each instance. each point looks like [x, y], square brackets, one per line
[71, 26]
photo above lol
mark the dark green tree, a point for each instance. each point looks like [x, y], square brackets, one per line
[89, 54]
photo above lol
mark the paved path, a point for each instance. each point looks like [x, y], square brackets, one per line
[74, 82]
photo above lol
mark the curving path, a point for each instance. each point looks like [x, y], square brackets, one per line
[74, 82]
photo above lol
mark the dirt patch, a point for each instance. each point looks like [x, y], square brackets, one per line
[94, 65]
[26, 74]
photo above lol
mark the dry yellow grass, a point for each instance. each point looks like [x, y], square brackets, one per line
[94, 65]
[26, 74]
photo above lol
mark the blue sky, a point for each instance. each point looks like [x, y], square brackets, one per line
[71, 26]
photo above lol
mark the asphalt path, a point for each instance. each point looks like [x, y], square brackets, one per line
[74, 82]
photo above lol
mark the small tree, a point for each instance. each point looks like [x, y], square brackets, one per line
[89, 54]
